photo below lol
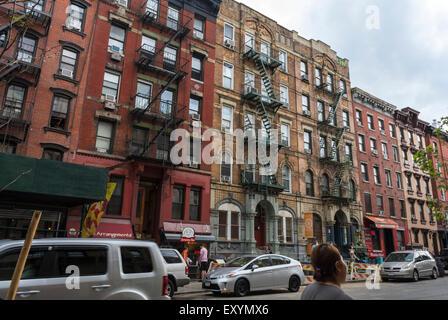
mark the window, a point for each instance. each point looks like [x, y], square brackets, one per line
[309, 182]
[325, 185]
[266, 50]
[14, 101]
[305, 104]
[139, 140]
[342, 86]
[116, 39]
[409, 183]
[384, 150]
[196, 67]
[3, 37]
[178, 202]
[334, 150]
[304, 70]
[379, 202]
[285, 233]
[392, 207]
[227, 81]
[320, 111]
[67, 65]
[411, 137]
[163, 146]
[111, 84]
[359, 117]
[405, 157]
[361, 143]
[388, 178]
[195, 106]
[420, 141]
[75, 18]
[346, 119]
[285, 134]
[332, 116]
[352, 190]
[227, 119]
[323, 146]
[427, 188]
[348, 152]
[171, 256]
[318, 76]
[442, 193]
[229, 222]
[284, 95]
[370, 122]
[143, 95]
[376, 175]
[136, 260]
[368, 202]
[249, 127]
[152, 8]
[286, 178]
[330, 82]
[195, 204]
[226, 168]
[249, 42]
[402, 208]
[422, 212]
[173, 18]
[283, 58]
[392, 130]
[402, 135]
[381, 125]
[169, 59]
[364, 172]
[416, 236]
[166, 102]
[229, 33]
[149, 45]
[104, 137]
[395, 153]
[199, 26]
[7, 146]
[399, 181]
[52, 154]
[373, 145]
[60, 112]
[307, 142]
[417, 183]
[26, 49]
[115, 204]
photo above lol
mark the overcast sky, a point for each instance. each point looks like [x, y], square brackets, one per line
[398, 49]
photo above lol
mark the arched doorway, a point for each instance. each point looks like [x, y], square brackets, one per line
[340, 231]
[264, 209]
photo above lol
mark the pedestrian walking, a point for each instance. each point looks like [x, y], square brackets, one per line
[330, 272]
[353, 256]
[203, 260]
[185, 255]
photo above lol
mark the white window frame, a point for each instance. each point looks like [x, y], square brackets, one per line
[283, 58]
[288, 133]
[225, 155]
[284, 95]
[230, 208]
[228, 66]
[233, 32]
[289, 190]
[118, 84]
[283, 215]
[230, 131]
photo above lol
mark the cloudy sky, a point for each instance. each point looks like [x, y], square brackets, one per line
[398, 49]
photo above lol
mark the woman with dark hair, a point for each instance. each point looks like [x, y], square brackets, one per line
[330, 272]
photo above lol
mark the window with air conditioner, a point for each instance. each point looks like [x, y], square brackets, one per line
[195, 107]
[68, 63]
[198, 27]
[249, 83]
[226, 168]
[227, 119]
[229, 35]
[123, 3]
[60, 112]
[111, 84]
[306, 105]
[104, 136]
[75, 17]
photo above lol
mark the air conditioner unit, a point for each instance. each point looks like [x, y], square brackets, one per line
[195, 117]
[109, 97]
[406, 162]
[383, 132]
[250, 89]
[198, 34]
[109, 105]
[74, 24]
[116, 56]
[308, 151]
[67, 73]
[381, 213]
[123, 3]
[304, 77]
[225, 179]
[229, 43]
[307, 113]
[375, 152]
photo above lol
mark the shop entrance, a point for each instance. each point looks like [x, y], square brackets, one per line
[264, 211]
[389, 241]
[148, 205]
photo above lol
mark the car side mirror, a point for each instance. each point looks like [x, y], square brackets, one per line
[255, 266]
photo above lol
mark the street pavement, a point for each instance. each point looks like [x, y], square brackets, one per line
[425, 289]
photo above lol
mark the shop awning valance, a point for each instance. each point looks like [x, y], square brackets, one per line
[42, 183]
[383, 223]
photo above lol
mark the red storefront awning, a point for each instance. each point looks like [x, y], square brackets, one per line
[383, 223]
[108, 228]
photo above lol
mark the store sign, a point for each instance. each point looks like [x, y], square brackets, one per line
[188, 235]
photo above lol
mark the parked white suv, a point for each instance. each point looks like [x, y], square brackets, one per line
[177, 270]
[103, 268]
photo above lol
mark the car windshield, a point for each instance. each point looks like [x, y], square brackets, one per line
[238, 262]
[400, 257]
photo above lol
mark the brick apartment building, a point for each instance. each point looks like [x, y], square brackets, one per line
[381, 175]
[268, 78]
[103, 83]
[421, 223]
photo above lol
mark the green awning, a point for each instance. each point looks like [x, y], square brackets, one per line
[50, 183]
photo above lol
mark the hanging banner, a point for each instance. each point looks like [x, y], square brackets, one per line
[309, 228]
[96, 211]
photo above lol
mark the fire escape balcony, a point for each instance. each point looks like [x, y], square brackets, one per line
[15, 119]
[164, 18]
[23, 62]
[258, 183]
[269, 99]
[261, 57]
[28, 10]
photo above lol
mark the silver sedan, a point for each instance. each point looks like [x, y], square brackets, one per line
[252, 273]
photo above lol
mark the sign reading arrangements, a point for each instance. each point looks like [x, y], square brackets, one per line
[188, 235]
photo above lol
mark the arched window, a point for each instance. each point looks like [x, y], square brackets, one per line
[285, 227]
[325, 185]
[286, 178]
[309, 181]
[229, 222]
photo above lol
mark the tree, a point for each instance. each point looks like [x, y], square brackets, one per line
[431, 162]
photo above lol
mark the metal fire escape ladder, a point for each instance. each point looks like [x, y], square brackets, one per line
[334, 107]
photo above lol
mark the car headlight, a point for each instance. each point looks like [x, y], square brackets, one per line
[223, 276]
[406, 266]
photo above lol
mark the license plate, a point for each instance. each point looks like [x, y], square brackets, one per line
[207, 283]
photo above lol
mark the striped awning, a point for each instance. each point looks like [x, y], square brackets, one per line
[383, 223]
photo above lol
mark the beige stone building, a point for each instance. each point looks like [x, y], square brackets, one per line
[269, 78]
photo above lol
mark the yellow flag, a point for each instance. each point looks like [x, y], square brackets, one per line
[96, 211]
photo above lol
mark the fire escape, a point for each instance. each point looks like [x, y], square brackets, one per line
[170, 68]
[263, 102]
[331, 160]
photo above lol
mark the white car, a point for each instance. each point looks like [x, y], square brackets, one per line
[177, 270]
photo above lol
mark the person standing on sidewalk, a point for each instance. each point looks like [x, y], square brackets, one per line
[203, 260]
[330, 272]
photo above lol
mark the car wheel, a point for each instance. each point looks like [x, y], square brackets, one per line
[294, 284]
[241, 288]
[170, 289]
[415, 277]
[434, 273]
